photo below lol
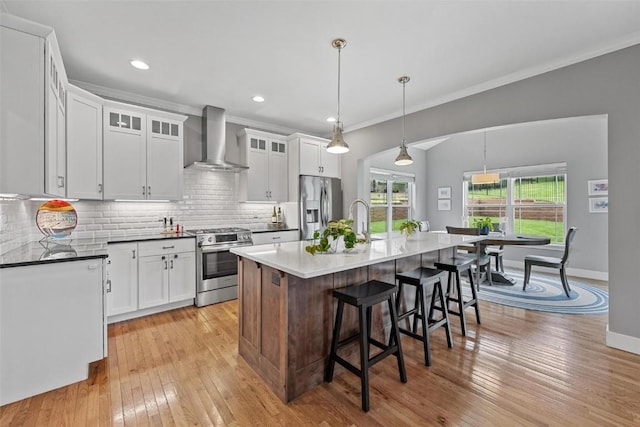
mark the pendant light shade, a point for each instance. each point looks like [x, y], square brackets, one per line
[485, 178]
[337, 144]
[403, 158]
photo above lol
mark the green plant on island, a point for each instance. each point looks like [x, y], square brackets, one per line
[327, 240]
[410, 226]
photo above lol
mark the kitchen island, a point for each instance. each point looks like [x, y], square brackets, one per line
[286, 308]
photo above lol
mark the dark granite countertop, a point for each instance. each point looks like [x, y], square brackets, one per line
[72, 250]
[150, 236]
[43, 252]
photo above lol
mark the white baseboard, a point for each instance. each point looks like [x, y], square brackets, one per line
[623, 342]
[575, 272]
[151, 310]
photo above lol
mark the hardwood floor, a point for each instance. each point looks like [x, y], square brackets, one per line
[519, 367]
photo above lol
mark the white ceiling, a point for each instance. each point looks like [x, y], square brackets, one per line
[222, 53]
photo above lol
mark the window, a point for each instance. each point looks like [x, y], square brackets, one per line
[526, 200]
[391, 196]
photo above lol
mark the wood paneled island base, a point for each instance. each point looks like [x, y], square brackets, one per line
[286, 321]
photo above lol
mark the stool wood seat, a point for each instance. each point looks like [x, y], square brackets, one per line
[364, 297]
[420, 278]
[456, 265]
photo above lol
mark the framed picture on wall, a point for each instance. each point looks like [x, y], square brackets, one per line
[444, 205]
[444, 192]
[598, 187]
[599, 205]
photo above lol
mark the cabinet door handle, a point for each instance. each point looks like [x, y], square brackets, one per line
[148, 190]
[108, 285]
[168, 247]
[99, 188]
[175, 256]
[144, 190]
[133, 252]
[60, 181]
[171, 262]
[275, 238]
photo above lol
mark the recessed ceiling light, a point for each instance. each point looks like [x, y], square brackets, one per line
[331, 119]
[140, 65]
[258, 98]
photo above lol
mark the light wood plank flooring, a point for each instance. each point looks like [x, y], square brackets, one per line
[519, 367]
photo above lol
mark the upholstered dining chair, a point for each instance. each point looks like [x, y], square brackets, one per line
[484, 263]
[552, 262]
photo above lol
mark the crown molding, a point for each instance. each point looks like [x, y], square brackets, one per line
[619, 44]
[120, 95]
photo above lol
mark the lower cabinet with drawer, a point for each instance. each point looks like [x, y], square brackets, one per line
[262, 237]
[150, 276]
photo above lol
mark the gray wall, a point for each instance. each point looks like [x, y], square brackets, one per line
[580, 142]
[607, 84]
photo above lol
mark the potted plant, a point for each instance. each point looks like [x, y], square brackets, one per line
[407, 228]
[328, 240]
[483, 224]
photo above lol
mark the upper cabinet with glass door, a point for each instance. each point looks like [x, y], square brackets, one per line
[143, 151]
[267, 156]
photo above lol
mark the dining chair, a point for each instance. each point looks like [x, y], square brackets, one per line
[552, 262]
[496, 251]
[483, 263]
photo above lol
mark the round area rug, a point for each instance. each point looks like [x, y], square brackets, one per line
[544, 293]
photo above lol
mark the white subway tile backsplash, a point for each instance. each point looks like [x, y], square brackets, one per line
[210, 200]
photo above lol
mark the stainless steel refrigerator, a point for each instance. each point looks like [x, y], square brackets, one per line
[320, 202]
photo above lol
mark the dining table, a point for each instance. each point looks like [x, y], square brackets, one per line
[499, 239]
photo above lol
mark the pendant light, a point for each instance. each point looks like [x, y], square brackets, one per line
[485, 178]
[403, 158]
[337, 144]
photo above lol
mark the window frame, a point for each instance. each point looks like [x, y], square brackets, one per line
[392, 177]
[511, 175]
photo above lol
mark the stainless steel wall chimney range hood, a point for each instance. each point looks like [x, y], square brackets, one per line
[213, 143]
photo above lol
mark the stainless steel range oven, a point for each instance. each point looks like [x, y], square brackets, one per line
[216, 266]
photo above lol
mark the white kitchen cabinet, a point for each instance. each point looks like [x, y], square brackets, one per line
[316, 160]
[55, 121]
[125, 148]
[153, 283]
[32, 110]
[266, 154]
[182, 284]
[143, 152]
[275, 237]
[167, 272]
[84, 144]
[122, 278]
[164, 158]
[52, 326]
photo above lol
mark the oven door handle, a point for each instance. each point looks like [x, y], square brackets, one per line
[208, 250]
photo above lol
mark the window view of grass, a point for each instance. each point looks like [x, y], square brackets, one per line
[536, 206]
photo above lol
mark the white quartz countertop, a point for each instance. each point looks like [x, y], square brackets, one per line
[292, 258]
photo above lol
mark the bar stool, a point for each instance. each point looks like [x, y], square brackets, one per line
[420, 278]
[364, 297]
[456, 265]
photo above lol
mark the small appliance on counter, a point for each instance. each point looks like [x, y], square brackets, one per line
[216, 266]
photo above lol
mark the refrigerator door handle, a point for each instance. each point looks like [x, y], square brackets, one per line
[323, 221]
